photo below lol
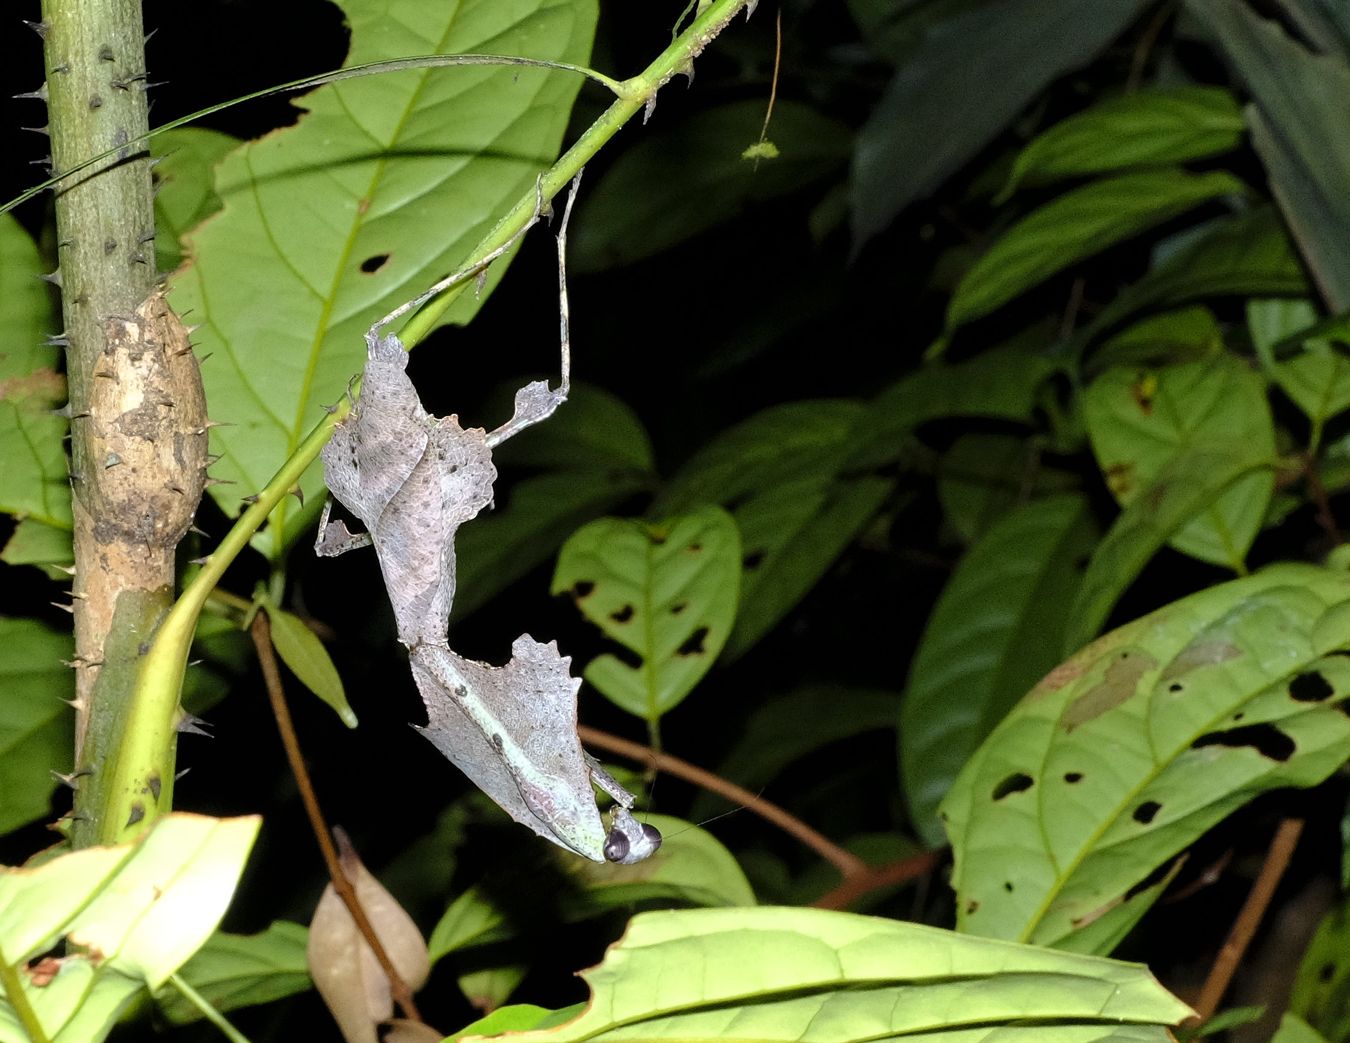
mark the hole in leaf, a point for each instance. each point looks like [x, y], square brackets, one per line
[678, 607]
[374, 263]
[1311, 687]
[693, 645]
[1239, 715]
[1007, 886]
[626, 656]
[1326, 972]
[1015, 783]
[694, 548]
[1175, 686]
[582, 589]
[1265, 739]
[1154, 878]
[1146, 812]
[972, 906]
[753, 560]
[623, 615]
[1073, 776]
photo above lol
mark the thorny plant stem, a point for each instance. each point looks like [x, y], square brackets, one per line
[1248, 919]
[160, 678]
[261, 632]
[848, 864]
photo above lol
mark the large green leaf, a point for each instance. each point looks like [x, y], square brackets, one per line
[1147, 128]
[996, 629]
[379, 189]
[1248, 254]
[1317, 378]
[1078, 224]
[691, 868]
[1294, 1029]
[1301, 130]
[667, 592]
[1141, 419]
[185, 194]
[36, 727]
[133, 913]
[673, 183]
[1182, 491]
[1203, 704]
[35, 481]
[935, 115]
[242, 970]
[814, 976]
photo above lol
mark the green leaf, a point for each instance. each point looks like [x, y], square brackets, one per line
[1170, 336]
[36, 484]
[516, 1018]
[934, 115]
[1300, 129]
[1294, 1029]
[671, 184]
[1245, 255]
[1140, 420]
[691, 868]
[785, 974]
[982, 477]
[302, 651]
[381, 187]
[1078, 224]
[36, 727]
[242, 970]
[134, 913]
[1143, 129]
[1317, 379]
[786, 729]
[1181, 492]
[1204, 704]
[666, 592]
[33, 543]
[790, 536]
[185, 195]
[996, 629]
[1321, 993]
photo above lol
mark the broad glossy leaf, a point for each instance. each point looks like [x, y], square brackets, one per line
[1248, 254]
[788, 728]
[996, 629]
[982, 477]
[808, 975]
[667, 592]
[790, 536]
[1204, 704]
[1321, 993]
[242, 970]
[1146, 128]
[144, 908]
[1294, 1029]
[691, 868]
[1078, 224]
[1169, 336]
[35, 481]
[302, 651]
[934, 115]
[382, 187]
[515, 1018]
[1301, 130]
[33, 543]
[36, 727]
[1182, 491]
[185, 193]
[1317, 378]
[674, 182]
[1141, 419]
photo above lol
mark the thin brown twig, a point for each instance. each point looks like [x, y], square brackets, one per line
[261, 632]
[1249, 917]
[898, 872]
[1318, 492]
[848, 864]
[1147, 41]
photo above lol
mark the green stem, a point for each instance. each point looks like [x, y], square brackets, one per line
[209, 1012]
[13, 989]
[162, 669]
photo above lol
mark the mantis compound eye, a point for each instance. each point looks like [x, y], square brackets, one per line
[629, 840]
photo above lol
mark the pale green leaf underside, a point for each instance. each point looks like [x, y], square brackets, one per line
[36, 727]
[242, 970]
[381, 188]
[666, 592]
[813, 976]
[1203, 704]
